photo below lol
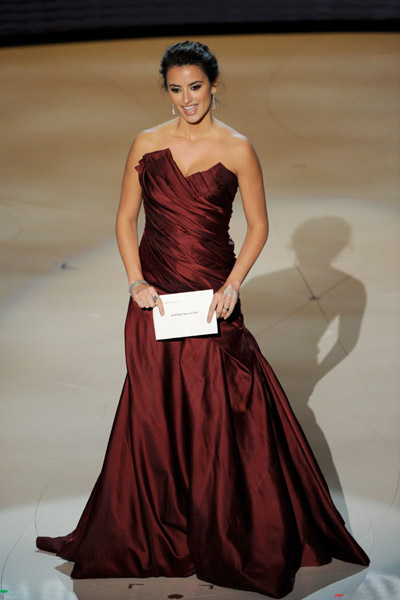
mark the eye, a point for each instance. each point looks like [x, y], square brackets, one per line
[175, 90]
[196, 87]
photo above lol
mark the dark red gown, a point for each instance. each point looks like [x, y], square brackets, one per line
[207, 470]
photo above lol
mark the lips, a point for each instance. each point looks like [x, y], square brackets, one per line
[190, 110]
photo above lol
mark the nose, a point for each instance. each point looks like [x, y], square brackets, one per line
[186, 97]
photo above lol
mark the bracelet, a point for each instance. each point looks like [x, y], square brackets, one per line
[135, 283]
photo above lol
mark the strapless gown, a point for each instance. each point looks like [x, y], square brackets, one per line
[207, 470]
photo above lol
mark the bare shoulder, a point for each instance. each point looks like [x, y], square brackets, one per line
[241, 149]
[238, 149]
[150, 140]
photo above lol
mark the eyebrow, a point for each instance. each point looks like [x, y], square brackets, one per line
[177, 85]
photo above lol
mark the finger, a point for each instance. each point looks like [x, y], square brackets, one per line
[160, 306]
[151, 297]
[225, 306]
[211, 310]
[223, 303]
[144, 300]
[152, 293]
[219, 312]
[228, 308]
[155, 300]
[138, 302]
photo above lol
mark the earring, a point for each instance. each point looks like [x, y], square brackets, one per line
[213, 104]
[173, 110]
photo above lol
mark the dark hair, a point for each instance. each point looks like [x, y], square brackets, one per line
[189, 53]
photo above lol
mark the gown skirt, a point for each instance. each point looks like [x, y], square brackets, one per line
[207, 469]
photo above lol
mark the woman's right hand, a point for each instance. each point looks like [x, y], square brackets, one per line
[146, 296]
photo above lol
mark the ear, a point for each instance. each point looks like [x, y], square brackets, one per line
[214, 86]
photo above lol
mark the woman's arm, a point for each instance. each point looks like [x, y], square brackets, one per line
[126, 227]
[253, 198]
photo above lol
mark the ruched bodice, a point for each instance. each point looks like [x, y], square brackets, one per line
[186, 244]
[207, 469]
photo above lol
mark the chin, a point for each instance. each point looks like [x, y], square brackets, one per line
[196, 118]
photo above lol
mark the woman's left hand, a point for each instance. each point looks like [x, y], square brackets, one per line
[224, 301]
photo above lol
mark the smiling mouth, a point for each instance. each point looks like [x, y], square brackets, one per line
[190, 109]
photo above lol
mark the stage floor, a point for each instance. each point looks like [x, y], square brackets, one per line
[322, 300]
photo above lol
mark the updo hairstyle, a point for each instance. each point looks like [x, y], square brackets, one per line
[189, 53]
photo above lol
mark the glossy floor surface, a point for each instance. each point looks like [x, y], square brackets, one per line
[322, 300]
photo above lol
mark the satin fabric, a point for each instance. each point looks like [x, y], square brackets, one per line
[207, 470]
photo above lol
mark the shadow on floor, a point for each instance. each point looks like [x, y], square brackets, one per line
[292, 310]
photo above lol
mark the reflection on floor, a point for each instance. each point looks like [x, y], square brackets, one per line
[322, 111]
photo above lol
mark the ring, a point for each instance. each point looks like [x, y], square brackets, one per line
[226, 307]
[154, 298]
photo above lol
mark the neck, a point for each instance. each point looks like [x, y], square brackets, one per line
[194, 131]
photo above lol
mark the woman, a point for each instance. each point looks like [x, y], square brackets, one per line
[207, 470]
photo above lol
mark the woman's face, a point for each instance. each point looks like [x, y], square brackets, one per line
[190, 91]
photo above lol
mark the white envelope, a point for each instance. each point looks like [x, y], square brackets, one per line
[185, 315]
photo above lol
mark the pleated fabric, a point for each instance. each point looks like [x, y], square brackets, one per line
[207, 469]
